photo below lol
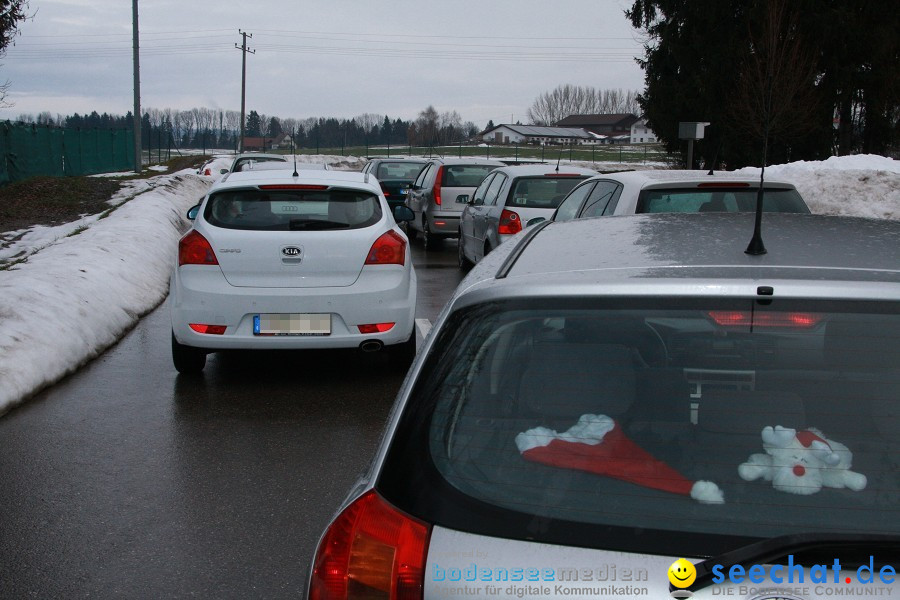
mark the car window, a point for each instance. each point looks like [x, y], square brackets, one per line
[719, 200]
[244, 164]
[541, 192]
[420, 180]
[481, 190]
[571, 203]
[292, 210]
[602, 199]
[490, 197]
[388, 171]
[652, 415]
[465, 175]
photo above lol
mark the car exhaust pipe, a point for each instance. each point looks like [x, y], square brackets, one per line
[371, 346]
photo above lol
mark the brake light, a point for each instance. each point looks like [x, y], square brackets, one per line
[510, 223]
[384, 190]
[208, 329]
[372, 550]
[292, 186]
[375, 327]
[563, 175]
[194, 249]
[436, 190]
[723, 184]
[746, 318]
[389, 249]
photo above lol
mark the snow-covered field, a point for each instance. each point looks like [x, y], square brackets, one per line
[69, 292]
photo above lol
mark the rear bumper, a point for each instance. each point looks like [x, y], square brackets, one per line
[444, 222]
[382, 294]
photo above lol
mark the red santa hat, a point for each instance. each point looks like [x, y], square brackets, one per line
[597, 444]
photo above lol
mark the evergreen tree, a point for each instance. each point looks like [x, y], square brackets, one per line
[254, 125]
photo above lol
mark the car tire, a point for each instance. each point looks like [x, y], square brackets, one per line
[464, 263]
[429, 240]
[401, 355]
[187, 359]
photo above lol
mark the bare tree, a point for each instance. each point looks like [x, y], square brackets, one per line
[565, 100]
[775, 94]
[12, 12]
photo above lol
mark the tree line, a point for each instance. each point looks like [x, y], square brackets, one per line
[213, 128]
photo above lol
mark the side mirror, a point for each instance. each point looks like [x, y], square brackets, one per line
[462, 199]
[192, 212]
[403, 213]
[223, 171]
[534, 221]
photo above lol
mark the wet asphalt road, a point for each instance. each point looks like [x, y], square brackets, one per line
[126, 480]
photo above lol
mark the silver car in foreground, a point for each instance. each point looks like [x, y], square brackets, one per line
[636, 408]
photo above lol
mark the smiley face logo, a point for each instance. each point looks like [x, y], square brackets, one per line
[682, 573]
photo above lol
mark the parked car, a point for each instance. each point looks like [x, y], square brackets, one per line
[439, 194]
[663, 191]
[394, 175]
[277, 261]
[506, 200]
[597, 400]
[247, 160]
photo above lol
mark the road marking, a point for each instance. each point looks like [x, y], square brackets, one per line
[424, 327]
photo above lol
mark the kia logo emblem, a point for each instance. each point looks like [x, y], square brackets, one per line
[291, 251]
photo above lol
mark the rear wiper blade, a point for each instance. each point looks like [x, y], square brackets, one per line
[298, 224]
[766, 551]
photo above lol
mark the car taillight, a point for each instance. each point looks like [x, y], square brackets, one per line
[746, 318]
[384, 190]
[510, 223]
[436, 190]
[194, 249]
[389, 249]
[372, 550]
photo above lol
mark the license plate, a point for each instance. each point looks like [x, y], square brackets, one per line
[292, 324]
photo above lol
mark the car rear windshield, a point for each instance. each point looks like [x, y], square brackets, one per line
[643, 424]
[719, 200]
[541, 192]
[465, 175]
[292, 210]
[388, 171]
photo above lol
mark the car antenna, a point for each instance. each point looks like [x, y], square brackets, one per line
[756, 246]
[558, 158]
[294, 154]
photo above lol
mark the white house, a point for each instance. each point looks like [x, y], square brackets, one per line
[641, 134]
[538, 134]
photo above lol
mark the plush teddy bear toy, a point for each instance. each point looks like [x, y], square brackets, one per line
[802, 462]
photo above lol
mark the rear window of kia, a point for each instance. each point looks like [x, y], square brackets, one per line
[292, 210]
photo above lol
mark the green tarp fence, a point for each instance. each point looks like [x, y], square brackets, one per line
[30, 150]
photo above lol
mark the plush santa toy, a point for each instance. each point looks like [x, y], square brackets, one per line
[597, 444]
[802, 462]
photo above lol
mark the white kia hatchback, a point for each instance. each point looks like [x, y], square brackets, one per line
[283, 259]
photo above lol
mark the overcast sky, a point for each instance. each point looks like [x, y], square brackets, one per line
[486, 59]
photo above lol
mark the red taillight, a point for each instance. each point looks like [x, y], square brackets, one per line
[510, 223]
[436, 190]
[375, 327]
[193, 249]
[372, 550]
[384, 190]
[208, 329]
[745, 318]
[292, 186]
[389, 249]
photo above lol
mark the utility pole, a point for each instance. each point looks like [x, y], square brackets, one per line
[244, 50]
[138, 153]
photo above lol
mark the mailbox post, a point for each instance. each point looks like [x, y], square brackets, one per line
[690, 131]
